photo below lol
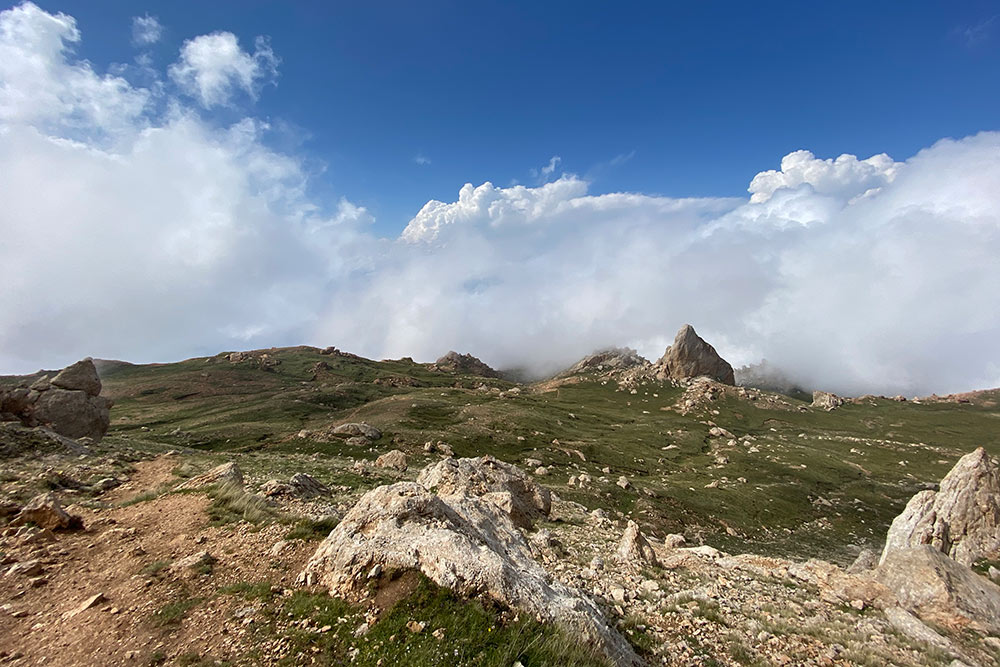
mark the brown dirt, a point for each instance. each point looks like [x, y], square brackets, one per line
[123, 554]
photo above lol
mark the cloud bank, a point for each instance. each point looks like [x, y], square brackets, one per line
[135, 226]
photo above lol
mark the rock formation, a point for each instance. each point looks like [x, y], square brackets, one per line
[691, 357]
[466, 364]
[939, 589]
[46, 512]
[826, 400]
[501, 483]
[70, 403]
[459, 541]
[227, 473]
[634, 548]
[394, 459]
[961, 520]
[611, 359]
[357, 430]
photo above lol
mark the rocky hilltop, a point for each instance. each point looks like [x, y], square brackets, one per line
[466, 364]
[299, 506]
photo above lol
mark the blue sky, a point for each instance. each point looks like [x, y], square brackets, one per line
[815, 184]
[680, 99]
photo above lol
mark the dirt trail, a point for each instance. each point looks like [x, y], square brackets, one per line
[124, 554]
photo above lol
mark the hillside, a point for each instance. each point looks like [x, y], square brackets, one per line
[739, 470]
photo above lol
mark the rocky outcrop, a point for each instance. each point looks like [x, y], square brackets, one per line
[46, 512]
[939, 589]
[70, 403]
[826, 401]
[459, 541]
[611, 359]
[501, 483]
[961, 520]
[300, 485]
[227, 473]
[634, 548]
[466, 364]
[691, 357]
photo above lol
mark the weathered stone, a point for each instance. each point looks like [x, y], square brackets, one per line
[195, 561]
[939, 589]
[81, 376]
[45, 511]
[479, 476]
[674, 541]
[634, 548]
[961, 520]
[826, 401]
[866, 560]
[466, 364]
[460, 542]
[691, 357]
[73, 413]
[227, 473]
[394, 459]
[358, 430]
[308, 486]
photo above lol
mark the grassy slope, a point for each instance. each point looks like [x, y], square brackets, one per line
[805, 458]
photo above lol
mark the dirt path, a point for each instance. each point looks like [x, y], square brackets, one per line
[124, 554]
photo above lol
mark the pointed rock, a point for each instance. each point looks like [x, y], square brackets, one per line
[961, 520]
[45, 511]
[635, 548]
[227, 473]
[81, 376]
[691, 357]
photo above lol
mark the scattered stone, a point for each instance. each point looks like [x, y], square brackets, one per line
[356, 429]
[89, 603]
[634, 548]
[674, 541]
[28, 568]
[45, 511]
[394, 459]
[623, 482]
[227, 473]
[415, 626]
[195, 561]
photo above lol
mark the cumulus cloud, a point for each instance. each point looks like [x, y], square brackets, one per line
[146, 30]
[133, 235]
[422, 160]
[886, 292]
[212, 68]
[166, 235]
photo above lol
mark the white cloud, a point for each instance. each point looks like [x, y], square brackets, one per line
[213, 67]
[162, 236]
[41, 86]
[146, 30]
[166, 236]
[845, 176]
[889, 292]
[422, 161]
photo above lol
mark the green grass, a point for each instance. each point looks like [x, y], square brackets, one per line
[311, 529]
[173, 613]
[243, 410]
[232, 504]
[468, 633]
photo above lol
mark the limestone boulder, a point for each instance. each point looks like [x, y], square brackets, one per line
[227, 473]
[826, 401]
[394, 459]
[486, 475]
[634, 548]
[941, 590]
[357, 430]
[45, 511]
[81, 376]
[961, 519]
[461, 542]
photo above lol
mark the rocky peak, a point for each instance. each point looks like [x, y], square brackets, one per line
[961, 520]
[690, 356]
[453, 362]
